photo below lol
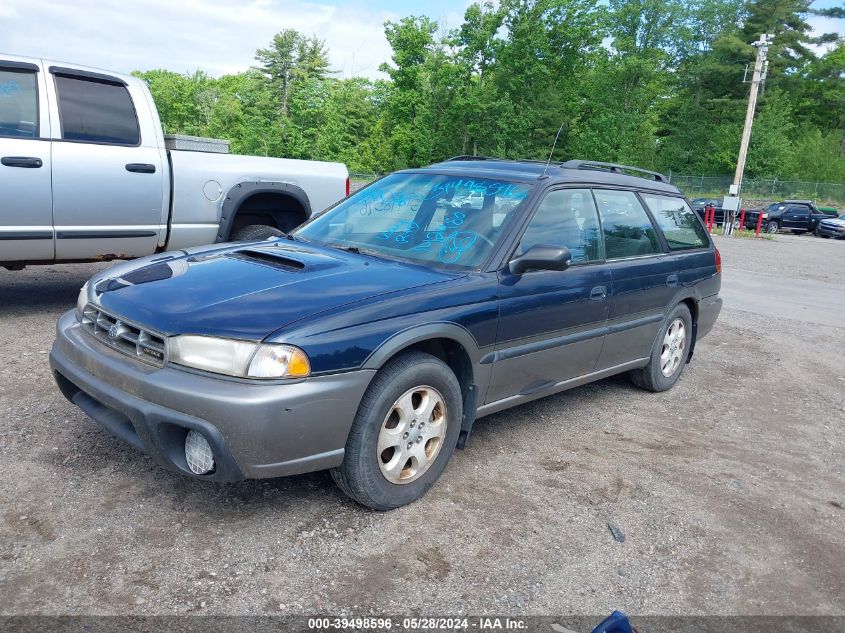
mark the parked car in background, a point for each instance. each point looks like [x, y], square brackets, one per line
[831, 227]
[798, 216]
[87, 174]
[369, 340]
[700, 206]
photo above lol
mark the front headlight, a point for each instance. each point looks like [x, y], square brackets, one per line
[82, 299]
[765, 216]
[238, 358]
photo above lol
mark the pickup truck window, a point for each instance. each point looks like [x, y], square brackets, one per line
[96, 112]
[677, 221]
[18, 104]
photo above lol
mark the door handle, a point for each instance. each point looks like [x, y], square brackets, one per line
[598, 293]
[141, 168]
[672, 280]
[27, 162]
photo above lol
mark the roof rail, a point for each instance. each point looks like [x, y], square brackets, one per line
[614, 167]
[468, 157]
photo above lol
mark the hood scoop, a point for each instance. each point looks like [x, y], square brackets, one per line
[268, 258]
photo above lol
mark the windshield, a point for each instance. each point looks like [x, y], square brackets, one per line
[427, 218]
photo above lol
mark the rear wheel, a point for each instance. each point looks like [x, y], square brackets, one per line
[254, 232]
[404, 433]
[669, 354]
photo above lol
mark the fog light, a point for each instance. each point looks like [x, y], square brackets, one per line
[198, 453]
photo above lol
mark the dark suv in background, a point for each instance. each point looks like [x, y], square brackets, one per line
[370, 339]
[799, 216]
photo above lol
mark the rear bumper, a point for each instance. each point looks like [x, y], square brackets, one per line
[708, 311]
[255, 430]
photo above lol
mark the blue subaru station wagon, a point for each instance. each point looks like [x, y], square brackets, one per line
[371, 338]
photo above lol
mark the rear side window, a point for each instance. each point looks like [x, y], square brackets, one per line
[96, 112]
[18, 104]
[566, 217]
[628, 232]
[678, 222]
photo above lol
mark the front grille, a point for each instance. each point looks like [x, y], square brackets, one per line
[122, 336]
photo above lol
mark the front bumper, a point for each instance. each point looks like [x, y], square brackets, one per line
[255, 430]
[830, 231]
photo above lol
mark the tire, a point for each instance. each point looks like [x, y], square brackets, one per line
[254, 233]
[819, 234]
[772, 226]
[652, 376]
[416, 380]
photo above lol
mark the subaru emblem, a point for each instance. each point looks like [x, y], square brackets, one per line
[113, 331]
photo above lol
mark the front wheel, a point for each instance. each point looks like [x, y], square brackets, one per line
[404, 433]
[669, 354]
[772, 227]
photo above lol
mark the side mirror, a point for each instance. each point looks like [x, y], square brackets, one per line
[542, 257]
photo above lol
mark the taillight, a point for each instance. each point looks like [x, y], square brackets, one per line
[347, 185]
[718, 261]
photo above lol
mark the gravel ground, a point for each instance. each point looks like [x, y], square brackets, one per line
[729, 491]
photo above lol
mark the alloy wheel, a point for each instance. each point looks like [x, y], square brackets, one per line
[674, 344]
[412, 435]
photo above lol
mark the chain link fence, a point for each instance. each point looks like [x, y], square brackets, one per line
[824, 193]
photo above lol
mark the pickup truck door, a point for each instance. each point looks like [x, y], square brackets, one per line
[796, 217]
[26, 209]
[108, 176]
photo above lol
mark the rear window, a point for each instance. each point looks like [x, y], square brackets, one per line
[18, 104]
[96, 112]
[627, 230]
[677, 221]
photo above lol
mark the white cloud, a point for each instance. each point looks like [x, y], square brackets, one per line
[187, 35]
[822, 25]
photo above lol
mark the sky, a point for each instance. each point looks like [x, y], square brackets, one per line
[216, 36]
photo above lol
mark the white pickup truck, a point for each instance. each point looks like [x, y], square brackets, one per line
[87, 174]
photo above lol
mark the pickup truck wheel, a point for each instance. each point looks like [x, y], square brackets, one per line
[772, 227]
[254, 232]
[404, 433]
[669, 354]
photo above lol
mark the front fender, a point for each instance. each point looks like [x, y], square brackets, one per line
[424, 332]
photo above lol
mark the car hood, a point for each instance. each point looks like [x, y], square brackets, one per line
[834, 221]
[248, 291]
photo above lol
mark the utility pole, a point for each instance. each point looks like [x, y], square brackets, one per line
[762, 46]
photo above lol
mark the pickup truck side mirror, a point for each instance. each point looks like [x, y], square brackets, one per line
[541, 257]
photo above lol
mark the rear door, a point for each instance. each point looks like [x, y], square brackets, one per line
[26, 211]
[644, 277]
[108, 177]
[796, 217]
[551, 323]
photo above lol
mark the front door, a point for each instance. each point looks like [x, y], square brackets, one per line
[26, 209]
[108, 181]
[551, 323]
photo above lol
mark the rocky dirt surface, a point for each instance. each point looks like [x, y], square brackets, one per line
[728, 490]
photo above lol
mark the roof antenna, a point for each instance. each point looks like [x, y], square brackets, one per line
[543, 175]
